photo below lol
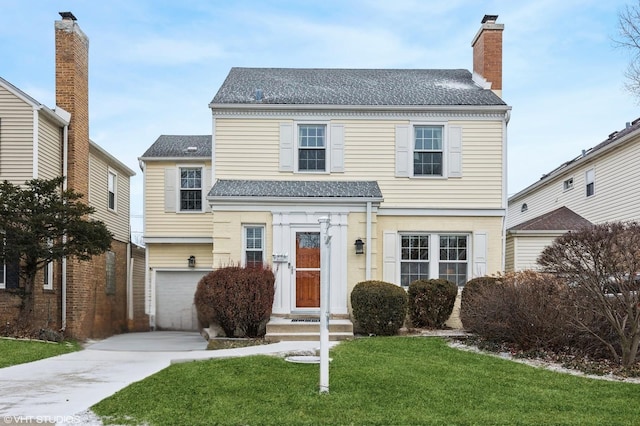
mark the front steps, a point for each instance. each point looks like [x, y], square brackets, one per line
[307, 328]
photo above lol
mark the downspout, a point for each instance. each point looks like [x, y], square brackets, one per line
[367, 268]
[65, 152]
[505, 202]
[129, 284]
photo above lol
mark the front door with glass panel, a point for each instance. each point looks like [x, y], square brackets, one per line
[307, 269]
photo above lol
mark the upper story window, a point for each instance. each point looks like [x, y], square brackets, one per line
[590, 180]
[567, 184]
[112, 182]
[191, 189]
[253, 245]
[312, 147]
[428, 151]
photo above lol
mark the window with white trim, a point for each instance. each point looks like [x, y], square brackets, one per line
[191, 189]
[567, 184]
[112, 181]
[48, 272]
[590, 180]
[428, 154]
[312, 148]
[253, 250]
[453, 258]
[425, 256]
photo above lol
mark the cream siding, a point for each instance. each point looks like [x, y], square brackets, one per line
[356, 271]
[228, 235]
[50, 146]
[509, 255]
[177, 255]
[617, 190]
[369, 151]
[491, 226]
[523, 250]
[159, 223]
[16, 138]
[117, 221]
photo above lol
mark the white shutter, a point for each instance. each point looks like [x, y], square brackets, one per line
[170, 190]
[479, 254]
[454, 150]
[389, 254]
[206, 187]
[403, 150]
[337, 148]
[286, 147]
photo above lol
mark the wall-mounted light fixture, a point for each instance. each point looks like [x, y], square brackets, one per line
[192, 261]
[359, 246]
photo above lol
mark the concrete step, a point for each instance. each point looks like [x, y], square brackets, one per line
[286, 329]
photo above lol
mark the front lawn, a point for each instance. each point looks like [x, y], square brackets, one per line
[14, 352]
[393, 380]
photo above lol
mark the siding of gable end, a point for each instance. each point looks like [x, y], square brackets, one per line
[16, 125]
[617, 193]
[50, 149]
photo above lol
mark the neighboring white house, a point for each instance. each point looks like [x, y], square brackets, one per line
[600, 185]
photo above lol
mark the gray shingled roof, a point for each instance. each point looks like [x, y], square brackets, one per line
[561, 219]
[398, 87]
[296, 189]
[176, 146]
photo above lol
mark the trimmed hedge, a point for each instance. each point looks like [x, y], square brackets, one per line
[238, 299]
[431, 302]
[379, 307]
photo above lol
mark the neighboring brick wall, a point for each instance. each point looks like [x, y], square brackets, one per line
[140, 321]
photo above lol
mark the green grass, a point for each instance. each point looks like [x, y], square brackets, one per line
[395, 380]
[14, 352]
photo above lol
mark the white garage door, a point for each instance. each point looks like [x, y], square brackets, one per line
[174, 300]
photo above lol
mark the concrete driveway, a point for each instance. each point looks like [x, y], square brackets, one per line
[59, 389]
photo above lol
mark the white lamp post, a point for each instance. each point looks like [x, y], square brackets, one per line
[325, 273]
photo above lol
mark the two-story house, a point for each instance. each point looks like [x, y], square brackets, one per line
[600, 185]
[408, 165]
[84, 299]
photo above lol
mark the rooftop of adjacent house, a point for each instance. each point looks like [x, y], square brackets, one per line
[358, 87]
[614, 137]
[179, 146]
[561, 219]
[227, 188]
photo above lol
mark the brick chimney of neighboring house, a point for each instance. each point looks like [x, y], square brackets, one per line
[487, 52]
[72, 94]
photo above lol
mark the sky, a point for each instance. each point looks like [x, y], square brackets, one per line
[155, 65]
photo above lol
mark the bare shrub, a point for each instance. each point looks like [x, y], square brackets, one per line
[522, 308]
[601, 264]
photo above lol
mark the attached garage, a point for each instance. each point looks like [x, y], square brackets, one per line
[174, 299]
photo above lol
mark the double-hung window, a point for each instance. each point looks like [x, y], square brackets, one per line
[112, 179]
[48, 272]
[453, 258]
[425, 256]
[253, 245]
[191, 189]
[414, 258]
[312, 147]
[427, 151]
[590, 179]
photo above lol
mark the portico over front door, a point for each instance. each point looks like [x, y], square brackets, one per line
[307, 269]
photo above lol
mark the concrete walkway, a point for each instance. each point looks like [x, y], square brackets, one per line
[63, 386]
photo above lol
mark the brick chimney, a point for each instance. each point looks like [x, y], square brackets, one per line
[487, 52]
[72, 94]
